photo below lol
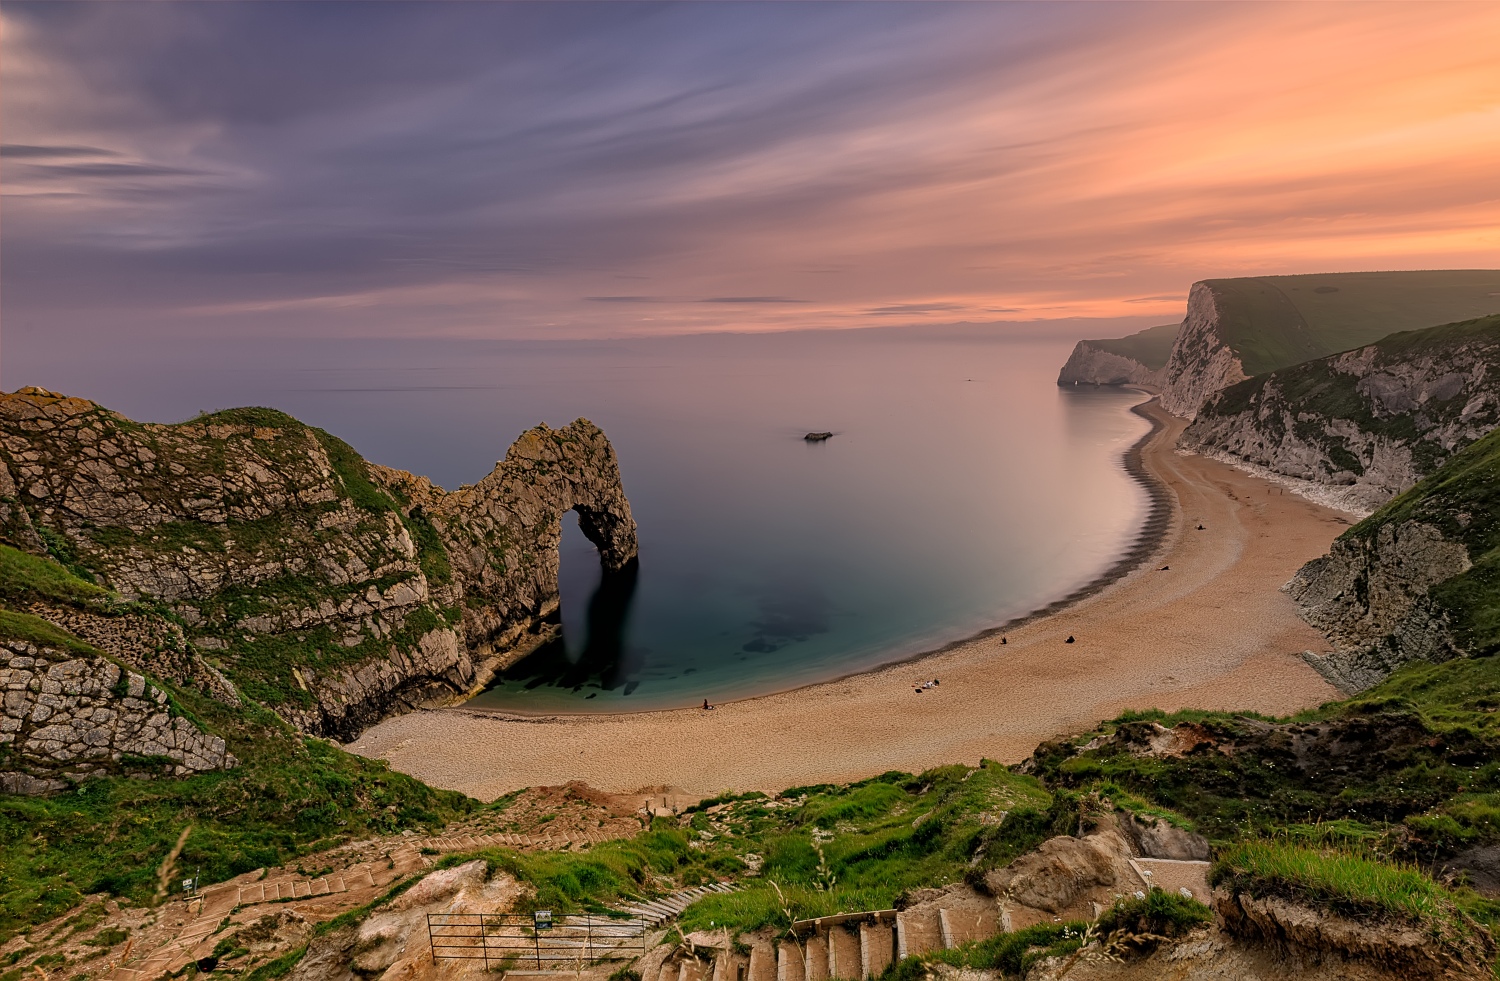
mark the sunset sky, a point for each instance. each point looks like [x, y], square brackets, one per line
[570, 170]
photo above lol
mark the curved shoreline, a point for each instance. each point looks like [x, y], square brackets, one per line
[1148, 541]
[1214, 632]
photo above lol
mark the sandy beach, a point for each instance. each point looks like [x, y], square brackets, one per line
[1212, 631]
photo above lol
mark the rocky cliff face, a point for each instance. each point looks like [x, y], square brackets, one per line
[1417, 580]
[1371, 598]
[1201, 362]
[501, 535]
[1368, 423]
[69, 715]
[333, 591]
[1090, 364]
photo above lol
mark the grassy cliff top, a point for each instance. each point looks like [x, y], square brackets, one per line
[1276, 321]
[1150, 347]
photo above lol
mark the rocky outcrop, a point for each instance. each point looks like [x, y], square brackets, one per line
[1202, 361]
[1136, 359]
[1065, 872]
[1370, 596]
[1408, 949]
[1416, 581]
[69, 715]
[150, 644]
[1090, 364]
[502, 534]
[331, 590]
[1366, 424]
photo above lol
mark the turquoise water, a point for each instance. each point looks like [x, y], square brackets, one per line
[962, 488]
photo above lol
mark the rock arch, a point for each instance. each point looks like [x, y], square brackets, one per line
[502, 534]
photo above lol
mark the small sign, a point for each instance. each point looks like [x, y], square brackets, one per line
[188, 885]
[542, 919]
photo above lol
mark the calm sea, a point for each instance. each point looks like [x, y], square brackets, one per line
[961, 488]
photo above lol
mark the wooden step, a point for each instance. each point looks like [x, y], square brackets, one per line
[877, 947]
[917, 932]
[791, 961]
[843, 954]
[815, 959]
[762, 963]
[964, 926]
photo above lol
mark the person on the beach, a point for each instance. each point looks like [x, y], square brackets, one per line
[706, 706]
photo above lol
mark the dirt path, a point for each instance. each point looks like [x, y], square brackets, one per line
[1213, 631]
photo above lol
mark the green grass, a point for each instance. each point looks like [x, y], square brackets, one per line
[1409, 770]
[35, 630]
[845, 849]
[1151, 347]
[606, 874]
[278, 968]
[1165, 914]
[26, 578]
[354, 473]
[1276, 321]
[290, 796]
[1352, 884]
[832, 849]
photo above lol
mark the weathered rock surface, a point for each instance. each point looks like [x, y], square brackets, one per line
[1395, 946]
[1090, 364]
[1368, 423]
[502, 534]
[1158, 838]
[1417, 580]
[1202, 362]
[150, 644]
[1064, 872]
[331, 590]
[68, 715]
[1370, 598]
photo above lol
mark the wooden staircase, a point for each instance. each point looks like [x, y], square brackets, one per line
[851, 946]
[655, 912]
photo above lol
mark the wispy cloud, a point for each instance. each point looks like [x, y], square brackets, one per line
[752, 299]
[31, 151]
[489, 169]
[904, 309]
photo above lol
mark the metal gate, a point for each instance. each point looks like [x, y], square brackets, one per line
[534, 940]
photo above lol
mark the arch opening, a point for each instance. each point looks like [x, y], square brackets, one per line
[594, 608]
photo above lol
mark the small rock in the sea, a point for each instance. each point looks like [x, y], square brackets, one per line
[817, 437]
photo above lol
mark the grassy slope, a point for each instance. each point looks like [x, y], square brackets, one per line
[828, 848]
[1276, 321]
[1151, 347]
[289, 796]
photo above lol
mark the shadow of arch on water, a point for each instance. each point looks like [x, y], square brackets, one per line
[604, 661]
